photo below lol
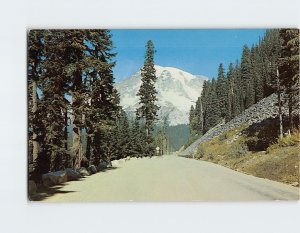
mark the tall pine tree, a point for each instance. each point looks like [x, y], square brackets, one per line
[147, 93]
[289, 67]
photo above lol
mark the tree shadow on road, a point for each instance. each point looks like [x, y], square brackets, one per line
[44, 192]
[108, 169]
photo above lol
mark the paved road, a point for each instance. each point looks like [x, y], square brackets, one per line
[172, 178]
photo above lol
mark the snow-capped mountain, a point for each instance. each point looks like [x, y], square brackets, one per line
[177, 91]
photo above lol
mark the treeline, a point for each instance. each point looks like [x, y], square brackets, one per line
[250, 80]
[178, 136]
[70, 83]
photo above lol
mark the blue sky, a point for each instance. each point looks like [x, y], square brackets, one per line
[195, 51]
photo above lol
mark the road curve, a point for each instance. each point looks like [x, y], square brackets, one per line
[172, 178]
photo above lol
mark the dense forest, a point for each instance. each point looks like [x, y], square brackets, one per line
[70, 86]
[271, 66]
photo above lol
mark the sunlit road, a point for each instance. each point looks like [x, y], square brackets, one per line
[172, 178]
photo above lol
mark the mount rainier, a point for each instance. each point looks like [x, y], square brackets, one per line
[177, 91]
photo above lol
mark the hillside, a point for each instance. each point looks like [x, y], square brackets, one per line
[249, 143]
[177, 91]
[264, 110]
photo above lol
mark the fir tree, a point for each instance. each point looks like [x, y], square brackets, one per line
[289, 67]
[213, 112]
[221, 91]
[103, 100]
[230, 93]
[53, 103]
[147, 94]
[246, 77]
[35, 72]
[74, 59]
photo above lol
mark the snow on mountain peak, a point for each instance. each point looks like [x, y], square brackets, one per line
[177, 91]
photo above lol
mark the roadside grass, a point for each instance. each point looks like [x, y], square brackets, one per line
[280, 161]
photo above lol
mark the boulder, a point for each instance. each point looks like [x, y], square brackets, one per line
[54, 178]
[31, 187]
[83, 172]
[121, 161]
[115, 163]
[109, 164]
[92, 169]
[72, 174]
[102, 166]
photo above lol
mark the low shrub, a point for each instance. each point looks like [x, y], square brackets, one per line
[289, 140]
[200, 151]
[238, 149]
[223, 137]
[286, 141]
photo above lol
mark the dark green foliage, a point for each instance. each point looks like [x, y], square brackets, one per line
[102, 107]
[289, 68]
[230, 93]
[246, 79]
[241, 86]
[138, 136]
[73, 65]
[221, 90]
[213, 111]
[147, 93]
[35, 72]
[178, 135]
[196, 118]
[54, 86]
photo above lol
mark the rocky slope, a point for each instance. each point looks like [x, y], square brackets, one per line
[177, 91]
[264, 109]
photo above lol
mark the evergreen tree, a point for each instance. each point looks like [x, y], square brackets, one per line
[256, 63]
[147, 93]
[236, 84]
[289, 67]
[74, 59]
[191, 118]
[247, 82]
[205, 98]
[35, 72]
[103, 105]
[230, 93]
[221, 91]
[198, 121]
[53, 104]
[213, 112]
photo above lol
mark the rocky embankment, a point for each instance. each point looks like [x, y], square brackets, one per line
[264, 109]
[69, 174]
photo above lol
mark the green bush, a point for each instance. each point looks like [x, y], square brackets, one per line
[200, 152]
[238, 149]
[289, 140]
[223, 137]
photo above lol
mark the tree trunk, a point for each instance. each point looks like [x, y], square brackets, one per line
[88, 148]
[77, 137]
[76, 148]
[35, 146]
[279, 105]
[66, 129]
[290, 103]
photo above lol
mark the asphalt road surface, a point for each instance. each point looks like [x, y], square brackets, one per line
[172, 178]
